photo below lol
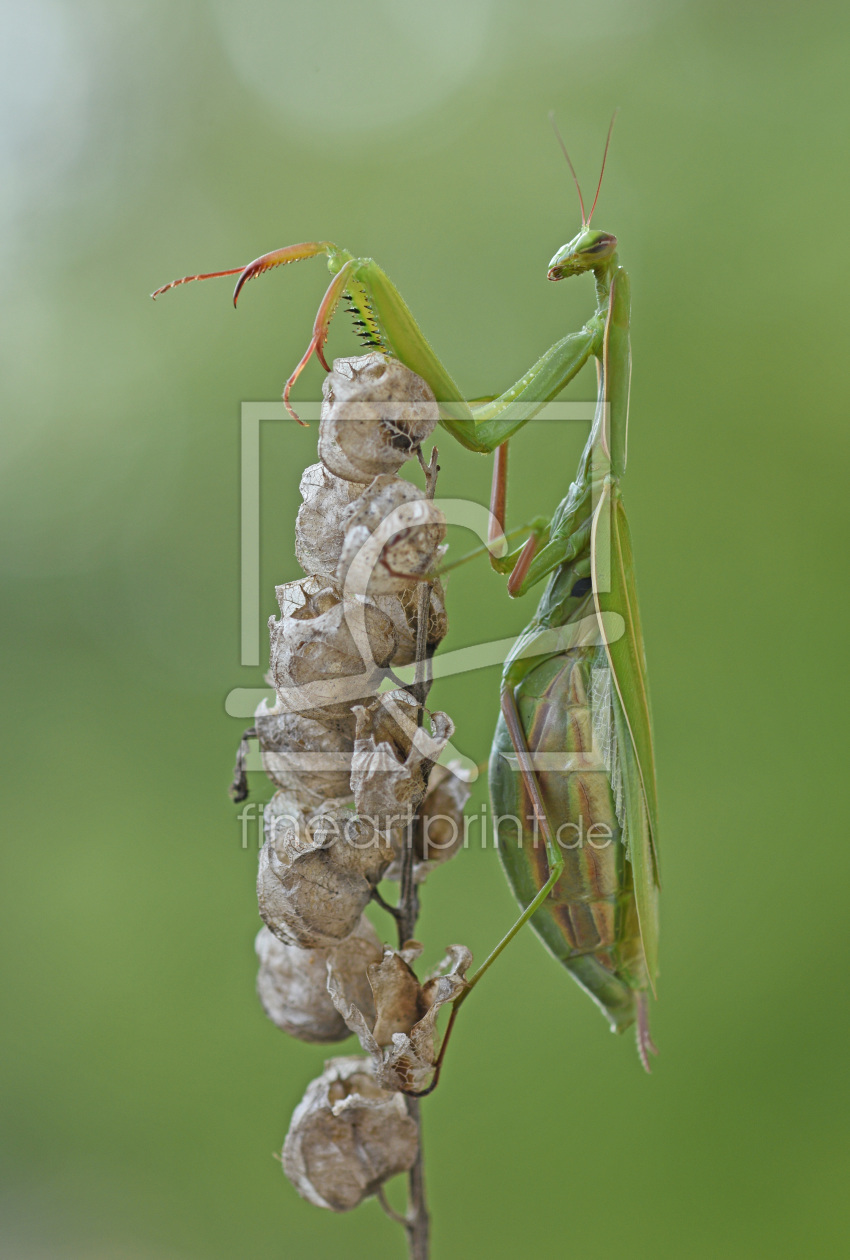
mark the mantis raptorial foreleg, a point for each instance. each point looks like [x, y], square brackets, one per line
[386, 323]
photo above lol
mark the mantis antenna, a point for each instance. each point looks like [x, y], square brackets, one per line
[602, 172]
[570, 165]
[585, 218]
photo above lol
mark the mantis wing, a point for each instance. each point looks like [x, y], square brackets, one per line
[613, 568]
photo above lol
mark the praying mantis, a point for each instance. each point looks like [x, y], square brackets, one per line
[572, 751]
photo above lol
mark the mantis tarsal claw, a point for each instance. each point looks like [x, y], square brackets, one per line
[278, 258]
[324, 315]
[266, 262]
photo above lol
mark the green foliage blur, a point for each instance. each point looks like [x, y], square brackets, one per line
[144, 1090]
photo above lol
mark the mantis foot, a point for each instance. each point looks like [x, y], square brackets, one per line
[645, 1044]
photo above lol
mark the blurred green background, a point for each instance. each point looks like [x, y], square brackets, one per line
[144, 1091]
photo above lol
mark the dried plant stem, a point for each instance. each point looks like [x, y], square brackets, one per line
[408, 904]
[417, 1223]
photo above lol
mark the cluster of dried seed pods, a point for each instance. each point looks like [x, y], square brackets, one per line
[352, 761]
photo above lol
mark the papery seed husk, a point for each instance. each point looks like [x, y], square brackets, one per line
[391, 717]
[438, 622]
[408, 1059]
[392, 538]
[397, 997]
[442, 833]
[285, 819]
[403, 612]
[375, 415]
[393, 757]
[292, 982]
[328, 654]
[303, 756]
[357, 842]
[389, 776]
[347, 1136]
[359, 846]
[319, 528]
[385, 790]
[438, 833]
[292, 597]
[311, 885]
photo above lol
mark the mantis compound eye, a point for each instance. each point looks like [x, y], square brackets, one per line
[603, 247]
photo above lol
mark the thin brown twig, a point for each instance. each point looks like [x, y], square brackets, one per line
[385, 905]
[417, 1222]
[390, 1210]
[408, 902]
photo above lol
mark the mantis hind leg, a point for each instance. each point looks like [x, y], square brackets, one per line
[556, 867]
[554, 857]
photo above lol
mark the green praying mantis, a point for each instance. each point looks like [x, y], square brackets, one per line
[572, 760]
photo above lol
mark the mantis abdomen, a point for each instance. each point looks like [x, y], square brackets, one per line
[589, 921]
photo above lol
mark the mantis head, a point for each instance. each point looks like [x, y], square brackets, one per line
[585, 252]
[589, 251]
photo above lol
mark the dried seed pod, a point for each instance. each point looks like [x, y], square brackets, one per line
[440, 834]
[292, 983]
[392, 717]
[347, 1137]
[314, 882]
[306, 758]
[398, 1000]
[358, 846]
[438, 622]
[402, 1038]
[402, 611]
[327, 653]
[393, 758]
[319, 528]
[292, 597]
[392, 538]
[375, 415]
